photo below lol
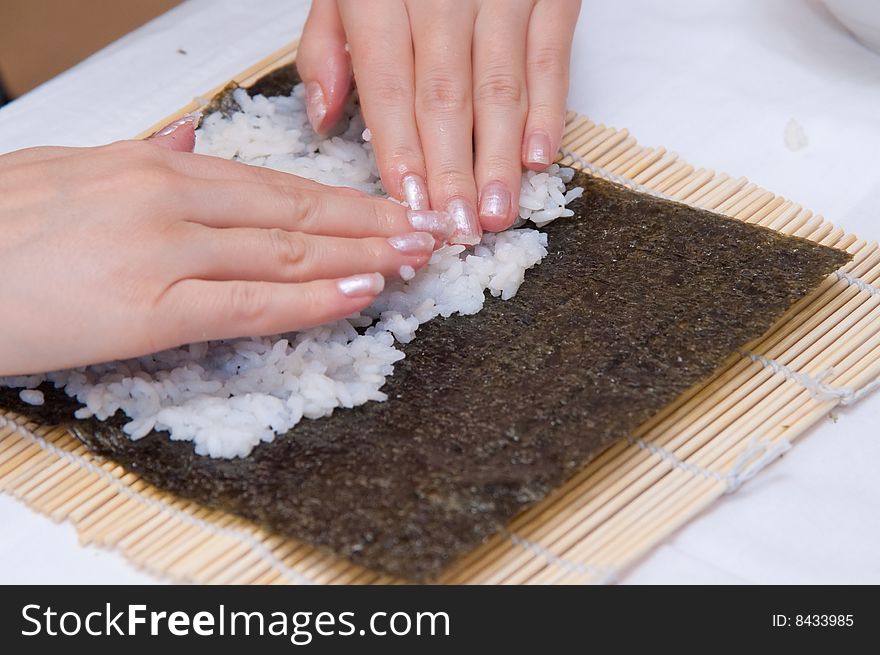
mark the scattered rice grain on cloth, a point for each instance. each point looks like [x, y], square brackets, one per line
[228, 396]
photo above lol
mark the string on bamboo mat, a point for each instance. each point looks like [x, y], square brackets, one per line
[744, 468]
[235, 534]
[858, 283]
[819, 389]
[597, 574]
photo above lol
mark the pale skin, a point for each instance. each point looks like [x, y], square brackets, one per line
[121, 250]
[459, 94]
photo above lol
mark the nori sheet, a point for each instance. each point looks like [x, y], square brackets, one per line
[638, 300]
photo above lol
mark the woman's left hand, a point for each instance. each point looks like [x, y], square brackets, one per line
[458, 94]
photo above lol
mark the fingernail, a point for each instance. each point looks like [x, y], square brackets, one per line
[415, 191]
[495, 201]
[437, 223]
[413, 243]
[171, 128]
[316, 106]
[358, 286]
[538, 148]
[467, 227]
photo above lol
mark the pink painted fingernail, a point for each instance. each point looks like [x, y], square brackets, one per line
[171, 128]
[415, 191]
[467, 227]
[316, 106]
[358, 286]
[495, 201]
[439, 224]
[414, 243]
[538, 148]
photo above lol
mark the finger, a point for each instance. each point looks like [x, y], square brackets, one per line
[324, 65]
[500, 104]
[203, 310]
[38, 154]
[282, 256]
[303, 208]
[216, 168]
[442, 35]
[548, 56]
[179, 135]
[381, 53]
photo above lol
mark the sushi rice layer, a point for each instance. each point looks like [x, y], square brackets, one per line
[228, 396]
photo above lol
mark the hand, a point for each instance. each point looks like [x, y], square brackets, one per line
[461, 93]
[126, 249]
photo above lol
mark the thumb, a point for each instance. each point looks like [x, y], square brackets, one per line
[179, 135]
[324, 65]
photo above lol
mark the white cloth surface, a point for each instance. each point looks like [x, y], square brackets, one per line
[716, 81]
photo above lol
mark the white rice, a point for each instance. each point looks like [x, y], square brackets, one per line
[228, 396]
[407, 273]
[32, 396]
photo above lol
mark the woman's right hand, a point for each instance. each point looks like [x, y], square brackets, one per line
[130, 248]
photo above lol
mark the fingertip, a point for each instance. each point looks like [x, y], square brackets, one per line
[413, 243]
[324, 66]
[316, 105]
[365, 285]
[327, 94]
[420, 261]
[355, 293]
[414, 191]
[496, 223]
[439, 224]
[468, 230]
[348, 306]
[179, 135]
[324, 301]
[535, 166]
[537, 150]
[496, 206]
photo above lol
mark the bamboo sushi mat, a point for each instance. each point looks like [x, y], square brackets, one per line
[823, 353]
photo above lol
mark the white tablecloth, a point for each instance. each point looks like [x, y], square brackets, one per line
[717, 81]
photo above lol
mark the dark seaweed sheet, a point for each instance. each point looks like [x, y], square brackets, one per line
[638, 300]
